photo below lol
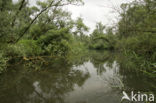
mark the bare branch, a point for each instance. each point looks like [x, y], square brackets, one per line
[20, 8]
[27, 28]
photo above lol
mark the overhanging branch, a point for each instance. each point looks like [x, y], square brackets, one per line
[57, 4]
[20, 8]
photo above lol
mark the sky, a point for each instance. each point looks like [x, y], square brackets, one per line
[94, 11]
[97, 11]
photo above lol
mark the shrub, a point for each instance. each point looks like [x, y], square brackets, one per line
[143, 45]
[24, 48]
[56, 42]
[57, 48]
[3, 62]
[103, 42]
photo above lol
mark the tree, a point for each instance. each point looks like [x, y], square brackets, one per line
[102, 37]
[80, 29]
[50, 6]
[137, 17]
[46, 25]
[99, 29]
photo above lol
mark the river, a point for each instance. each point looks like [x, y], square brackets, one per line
[97, 77]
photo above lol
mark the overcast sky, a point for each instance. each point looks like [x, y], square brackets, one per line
[95, 11]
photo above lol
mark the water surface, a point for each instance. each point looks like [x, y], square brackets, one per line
[97, 77]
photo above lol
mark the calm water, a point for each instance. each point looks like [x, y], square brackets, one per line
[97, 77]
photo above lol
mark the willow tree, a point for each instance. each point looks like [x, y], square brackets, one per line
[49, 6]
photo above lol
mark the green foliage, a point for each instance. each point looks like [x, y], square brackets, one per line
[101, 40]
[137, 18]
[143, 45]
[77, 47]
[80, 27]
[60, 48]
[5, 5]
[56, 42]
[3, 62]
[49, 31]
[137, 29]
[99, 29]
[24, 48]
[137, 35]
[5, 27]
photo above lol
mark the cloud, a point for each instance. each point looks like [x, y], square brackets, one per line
[97, 11]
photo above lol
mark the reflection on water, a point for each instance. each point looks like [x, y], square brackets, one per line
[100, 77]
[95, 89]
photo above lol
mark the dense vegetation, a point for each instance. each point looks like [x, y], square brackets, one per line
[135, 36]
[47, 30]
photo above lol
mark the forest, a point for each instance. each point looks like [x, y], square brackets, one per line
[32, 34]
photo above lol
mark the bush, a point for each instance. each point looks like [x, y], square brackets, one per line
[56, 42]
[103, 42]
[3, 62]
[143, 45]
[24, 48]
[57, 48]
